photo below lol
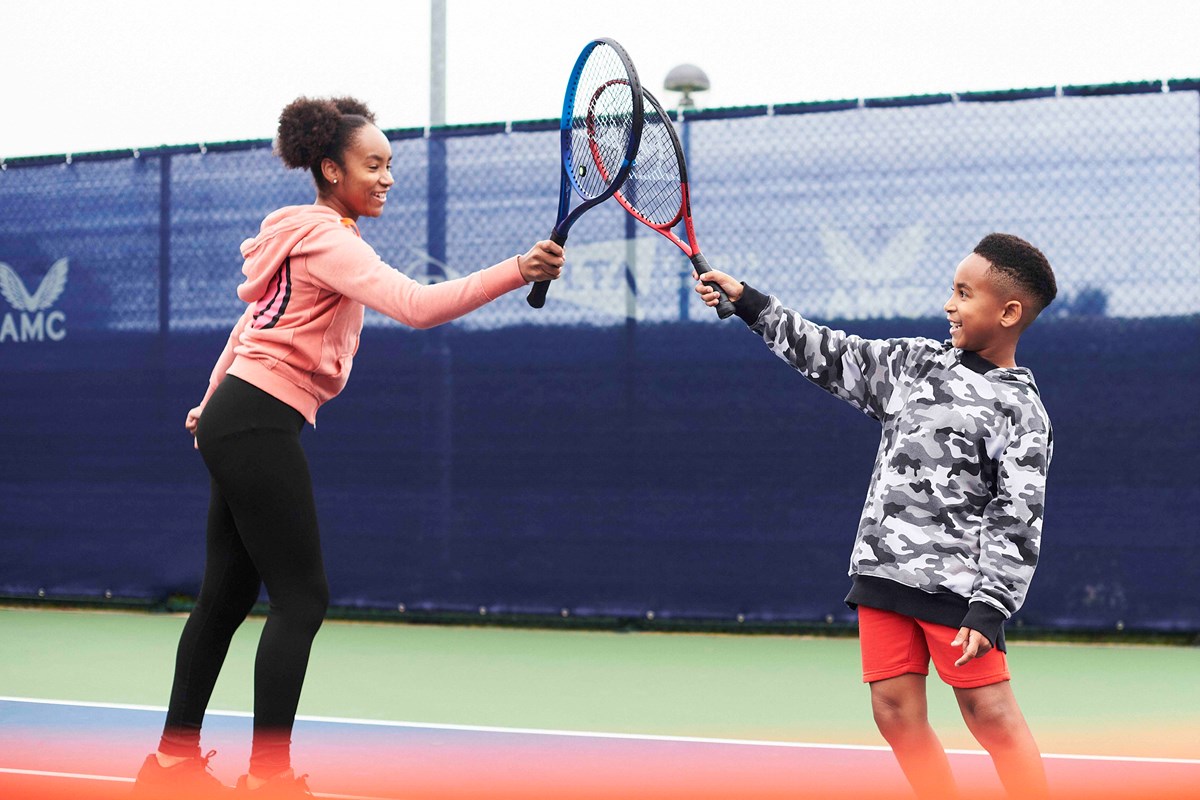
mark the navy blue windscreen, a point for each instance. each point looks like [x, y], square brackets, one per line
[620, 451]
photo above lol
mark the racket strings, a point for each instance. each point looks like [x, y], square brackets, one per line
[601, 122]
[654, 186]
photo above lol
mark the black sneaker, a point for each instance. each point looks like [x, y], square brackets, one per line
[187, 780]
[284, 786]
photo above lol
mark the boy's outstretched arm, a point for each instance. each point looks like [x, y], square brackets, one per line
[862, 372]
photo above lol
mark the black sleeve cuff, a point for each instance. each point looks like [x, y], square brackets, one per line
[751, 304]
[987, 620]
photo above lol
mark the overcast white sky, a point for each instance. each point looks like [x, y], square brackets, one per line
[83, 75]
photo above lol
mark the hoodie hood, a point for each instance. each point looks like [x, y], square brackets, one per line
[1018, 375]
[977, 363]
[281, 231]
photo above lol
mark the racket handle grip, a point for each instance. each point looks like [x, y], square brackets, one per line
[537, 295]
[724, 308]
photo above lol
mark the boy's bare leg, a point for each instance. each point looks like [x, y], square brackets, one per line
[901, 713]
[992, 714]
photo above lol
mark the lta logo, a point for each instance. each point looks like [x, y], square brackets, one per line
[29, 320]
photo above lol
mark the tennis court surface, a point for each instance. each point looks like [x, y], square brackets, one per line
[593, 715]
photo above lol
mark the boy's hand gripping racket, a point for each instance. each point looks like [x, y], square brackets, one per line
[656, 191]
[600, 130]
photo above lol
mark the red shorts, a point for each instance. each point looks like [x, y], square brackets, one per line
[893, 645]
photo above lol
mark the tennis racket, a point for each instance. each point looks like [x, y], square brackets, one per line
[599, 133]
[656, 190]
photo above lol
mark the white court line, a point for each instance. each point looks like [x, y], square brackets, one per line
[641, 737]
[37, 773]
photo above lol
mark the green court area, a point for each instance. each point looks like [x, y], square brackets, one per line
[1113, 700]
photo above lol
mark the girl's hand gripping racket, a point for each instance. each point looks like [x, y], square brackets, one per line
[656, 191]
[599, 133]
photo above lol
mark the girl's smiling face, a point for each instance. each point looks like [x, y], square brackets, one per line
[364, 178]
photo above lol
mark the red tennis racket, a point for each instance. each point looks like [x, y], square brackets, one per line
[656, 190]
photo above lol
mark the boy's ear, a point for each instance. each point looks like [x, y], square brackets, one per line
[1012, 314]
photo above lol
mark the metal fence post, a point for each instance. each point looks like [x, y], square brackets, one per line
[439, 379]
[164, 245]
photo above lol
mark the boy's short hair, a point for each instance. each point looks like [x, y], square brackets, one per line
[1022, 265]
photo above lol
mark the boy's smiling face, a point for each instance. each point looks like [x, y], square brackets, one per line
[976, 308]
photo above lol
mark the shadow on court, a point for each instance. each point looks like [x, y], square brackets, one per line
[54, 751]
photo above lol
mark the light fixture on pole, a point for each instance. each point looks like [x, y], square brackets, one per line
[687, 79]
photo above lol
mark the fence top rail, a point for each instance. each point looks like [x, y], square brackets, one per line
[730, 112]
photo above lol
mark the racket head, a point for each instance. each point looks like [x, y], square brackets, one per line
[656, 190]
[601, 125]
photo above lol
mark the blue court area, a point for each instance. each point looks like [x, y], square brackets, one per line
[51, 749]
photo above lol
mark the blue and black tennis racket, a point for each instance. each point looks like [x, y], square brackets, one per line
[600, 132]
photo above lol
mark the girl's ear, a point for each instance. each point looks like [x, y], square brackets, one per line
[330, 170]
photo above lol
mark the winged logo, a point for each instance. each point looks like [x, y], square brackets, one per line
[50, 289]
[897, 260]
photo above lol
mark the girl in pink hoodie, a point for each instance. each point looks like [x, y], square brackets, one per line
[308, 278]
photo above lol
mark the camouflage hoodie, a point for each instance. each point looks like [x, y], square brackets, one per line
[951, 526]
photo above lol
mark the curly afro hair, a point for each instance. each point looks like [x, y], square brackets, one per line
[1021, 265]
[311, 130]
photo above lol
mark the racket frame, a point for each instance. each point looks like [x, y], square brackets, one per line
[567, 179]
[690, 248]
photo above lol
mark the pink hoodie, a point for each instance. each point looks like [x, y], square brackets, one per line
[308, 277]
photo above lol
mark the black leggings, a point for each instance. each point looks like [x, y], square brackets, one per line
[262, 528]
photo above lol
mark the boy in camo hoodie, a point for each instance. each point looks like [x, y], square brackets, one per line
[949, 534]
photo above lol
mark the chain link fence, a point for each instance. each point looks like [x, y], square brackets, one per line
[852, 211]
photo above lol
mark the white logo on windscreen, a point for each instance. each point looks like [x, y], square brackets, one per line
[31, 319]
